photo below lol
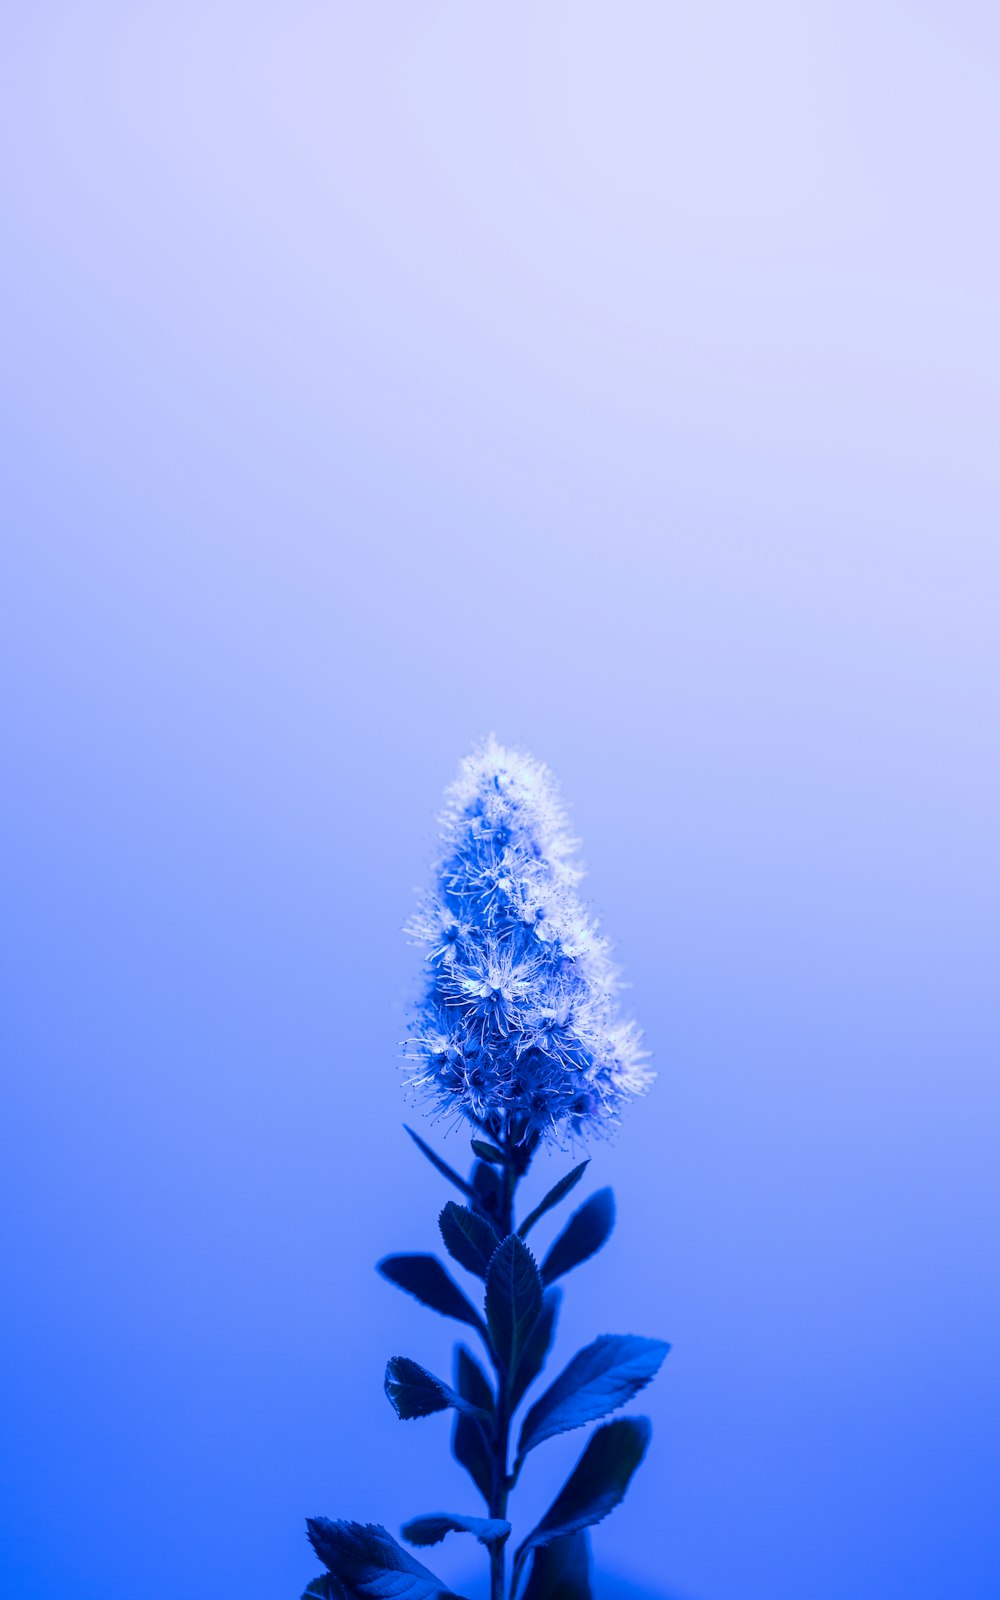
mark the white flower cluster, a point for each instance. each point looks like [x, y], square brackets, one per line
[519, 1027]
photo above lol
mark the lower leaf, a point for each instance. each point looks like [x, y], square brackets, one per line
[561, 1570]
[368, 1564]
[595, 1486]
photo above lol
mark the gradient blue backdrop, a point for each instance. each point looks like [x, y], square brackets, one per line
[622, 378]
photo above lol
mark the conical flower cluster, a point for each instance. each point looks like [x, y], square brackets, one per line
[519, 1028]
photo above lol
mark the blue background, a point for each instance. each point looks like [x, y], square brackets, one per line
[622, 378]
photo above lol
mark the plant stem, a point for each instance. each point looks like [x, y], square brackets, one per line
[501, 1437]
[498, 1503]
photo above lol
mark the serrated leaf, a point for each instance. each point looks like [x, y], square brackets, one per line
[600, 1378]
[537, 1348]
[595, 1486]
[513, 1300]
[584, 1234]
[366, 1559]
[469, 1239]
[425, 1278]
[438, 1162]
[558, 1192]
[561, 1570]
[488, 1152]
[415, 1392]
[431, 1529]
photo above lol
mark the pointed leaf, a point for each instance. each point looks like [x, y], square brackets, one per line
[487, 1190]
[470, 1440]
[600, 1378]
[432, 1528]
[437, 1161]
[471, 1450]
[415, 1392]
[537, 1348]
[425, 1278]
[558, 1192]
[488, 1152]
[595, 1486]
[471, 1381]
[370, 1564]
[513, 1300]
[561, 1570]
[469, 1239]
[585, 1232]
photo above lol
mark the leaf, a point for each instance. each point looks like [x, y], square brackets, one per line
[513, 1300]
[488, 1152]
[595, 1486]
[561, 1570]
[487, 1191]
[432, 1528]
[585, 1232]
[600, 1378]
[537, 1348]
[436, 1161]
[471, 1381]
[326, 1588]
[469, 1239]
[470, 1440]
[471, 1450]
[368, 1562]
[425, 1278]
[415, 1392]
[558, 1192]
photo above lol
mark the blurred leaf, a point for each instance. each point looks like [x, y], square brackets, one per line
[471, 1450]
[600, 1378]
[561, 1570]
[371, 1565]
[436, 1161]
[558, 1192]
[471, 1381]
[488, 1152]
[470, 1440]
[425, 1278]
[522, 1153]
[415, 1392]
[468, 1237]
[585, 1232]
[595, 1486]
[325, 1588]
[513, 1300]
[487, 1189]
[432, 1528]
[537, 1348]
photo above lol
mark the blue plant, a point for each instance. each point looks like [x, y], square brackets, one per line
[519, 1033]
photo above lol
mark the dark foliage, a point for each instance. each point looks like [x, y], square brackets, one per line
[561, 1570]
[517, 1326]
[468, 1238]
[558, 1192]
[586, 1231]
[369, 1564]
[426, 1279]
